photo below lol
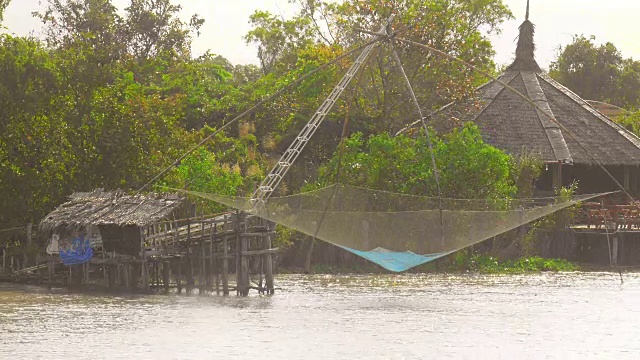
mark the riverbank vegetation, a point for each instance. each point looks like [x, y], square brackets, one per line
[110, 97]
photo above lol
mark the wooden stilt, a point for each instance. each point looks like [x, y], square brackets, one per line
[179, 276]
[50, 272]
[144, 264]
[225, 266]
[166, 273]
[614, 251]
[215, 266]
[127, 275]
[268, 265]
[190, 281]
[26, 262]
[203, 264]
[244, 266]
[211, 270]
[238, 254]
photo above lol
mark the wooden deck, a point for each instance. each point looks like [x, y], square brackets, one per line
[602, 217]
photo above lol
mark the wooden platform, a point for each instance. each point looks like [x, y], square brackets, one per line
[185, 254]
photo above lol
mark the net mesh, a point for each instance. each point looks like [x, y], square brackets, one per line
[397, 231]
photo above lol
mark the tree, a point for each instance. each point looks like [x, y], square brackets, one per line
[278, 39]
[94, 23]
[469, 168]
[453, 26]
[3, 6]
[598, 72]
[36, 158]
[152, 28]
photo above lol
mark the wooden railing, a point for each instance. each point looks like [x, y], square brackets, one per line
[599, 215]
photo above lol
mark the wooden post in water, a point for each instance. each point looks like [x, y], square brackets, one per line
[190, 281]
[50, 271]
[127, 275]
[203, 264]
[210, 268]
[244, 263]
[179, 275]
[268, 263]
[143, 264]
[166, 267]
[87, 273]
[214, 260]
[238, 253]
[26, 262]
[225, 263]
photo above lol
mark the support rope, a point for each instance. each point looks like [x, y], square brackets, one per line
[426, 133]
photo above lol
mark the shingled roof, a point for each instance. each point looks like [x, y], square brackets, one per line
[513, 124]
[111, 208]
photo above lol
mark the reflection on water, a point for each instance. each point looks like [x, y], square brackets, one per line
[391, 317]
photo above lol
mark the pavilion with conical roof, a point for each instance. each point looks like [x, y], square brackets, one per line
[550, 122]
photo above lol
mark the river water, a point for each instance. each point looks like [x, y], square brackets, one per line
[552, 316]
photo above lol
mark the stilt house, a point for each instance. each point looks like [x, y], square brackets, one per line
[568, 134]
[576, 141]
[110, 221]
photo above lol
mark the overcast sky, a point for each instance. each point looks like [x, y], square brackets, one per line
[557, 20]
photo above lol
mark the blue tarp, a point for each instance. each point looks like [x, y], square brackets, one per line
[79, 252]
[395, 261]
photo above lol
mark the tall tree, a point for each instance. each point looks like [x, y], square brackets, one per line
[453, 26]
[152, 28]
[598, 72]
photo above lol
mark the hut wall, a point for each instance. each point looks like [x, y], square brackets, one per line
[590, 179]
[123, 240]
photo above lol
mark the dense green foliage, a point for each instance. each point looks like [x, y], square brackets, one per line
[112, 96]
[469, 168]
[598, 72]
[490, 265]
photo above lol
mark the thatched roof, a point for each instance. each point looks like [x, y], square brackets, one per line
[513, 124]
[111, 208]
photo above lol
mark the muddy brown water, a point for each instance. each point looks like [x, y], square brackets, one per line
[542, 316]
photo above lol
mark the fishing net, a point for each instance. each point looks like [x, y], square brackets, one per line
[393, 230]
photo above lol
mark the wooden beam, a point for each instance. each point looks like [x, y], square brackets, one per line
[261, 252]
[627, 178]
[556, 176]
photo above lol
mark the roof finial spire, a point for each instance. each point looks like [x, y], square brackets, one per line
[525, 57]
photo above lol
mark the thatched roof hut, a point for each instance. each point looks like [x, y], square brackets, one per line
[585, 137]
[101, 208]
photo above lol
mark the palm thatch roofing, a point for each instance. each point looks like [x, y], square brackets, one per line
[111, 208]
[513, 124]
